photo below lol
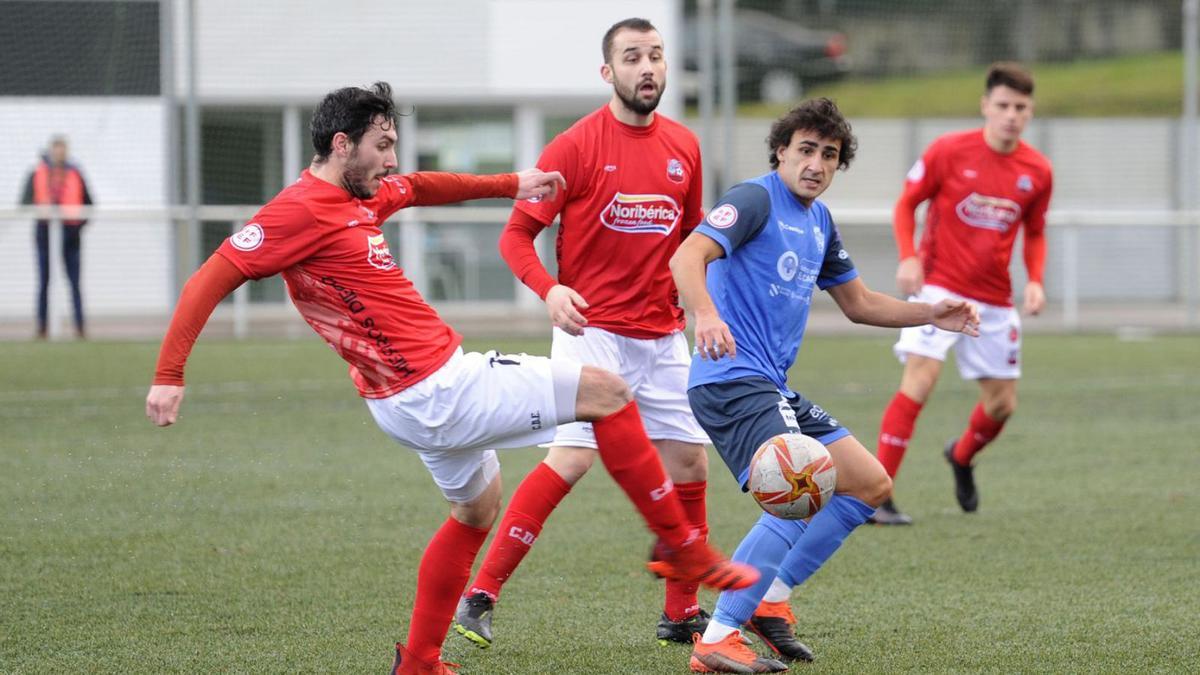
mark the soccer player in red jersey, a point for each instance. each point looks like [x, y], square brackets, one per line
[634, 185]
[323, 235]
[983, 185]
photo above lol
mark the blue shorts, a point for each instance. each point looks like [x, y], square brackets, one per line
[740, 415]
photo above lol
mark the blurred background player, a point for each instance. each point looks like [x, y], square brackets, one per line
[983, 186]
[748, 273]
[322, 234]
[57, 182]
[634, 184]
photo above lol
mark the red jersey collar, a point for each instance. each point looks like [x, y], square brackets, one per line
[629, 129]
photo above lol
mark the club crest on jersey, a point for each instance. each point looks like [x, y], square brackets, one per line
[723, 216]
[675, 170]
[1025, 183]
[641, 214]
[248, 238]
[820, 237]
[989, 213]
[787, 265]
[378, 254]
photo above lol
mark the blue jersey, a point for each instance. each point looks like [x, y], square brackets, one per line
[776, 251]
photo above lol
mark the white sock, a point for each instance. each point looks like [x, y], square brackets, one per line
[716, 632]
[778, 592]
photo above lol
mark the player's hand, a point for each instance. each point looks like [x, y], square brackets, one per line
[1035, 298]
[959, 316]
[563, 305]
[713, 339]
[537, 183]
[910, 276]
[162, 404]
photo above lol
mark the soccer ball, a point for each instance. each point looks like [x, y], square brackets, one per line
[792, 476]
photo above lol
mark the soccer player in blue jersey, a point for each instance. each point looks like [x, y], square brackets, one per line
[748, 272]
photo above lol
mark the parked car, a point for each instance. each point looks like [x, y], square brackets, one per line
[776, 58]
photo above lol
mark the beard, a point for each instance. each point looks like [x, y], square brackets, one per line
[356, 179]
[630, 98]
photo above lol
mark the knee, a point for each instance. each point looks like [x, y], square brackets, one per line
[571, 463]
[1001, 408]
[685, 462]
[601, 393]
[876, 490]
[480, 512]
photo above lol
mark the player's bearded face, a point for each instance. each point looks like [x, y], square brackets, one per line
[641, 96]
[639, 71]
[372, 158]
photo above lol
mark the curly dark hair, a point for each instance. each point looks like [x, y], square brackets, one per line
[349, 110]
[820, 116]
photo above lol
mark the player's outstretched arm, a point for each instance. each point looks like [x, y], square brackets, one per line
[533, 183]
[958, 316]
[689, 267]
[863, 305]
[215, 279]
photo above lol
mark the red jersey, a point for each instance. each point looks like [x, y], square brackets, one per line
[343, 279]
[633, 194]
[979, 199]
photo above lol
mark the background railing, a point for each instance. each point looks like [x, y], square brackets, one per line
[450, 255]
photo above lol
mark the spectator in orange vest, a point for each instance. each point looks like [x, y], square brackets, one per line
[57, 182]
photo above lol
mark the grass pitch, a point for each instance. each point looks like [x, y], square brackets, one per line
[276, 529]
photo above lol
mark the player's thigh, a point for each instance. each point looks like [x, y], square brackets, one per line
[482, 401]
[462, 476]
[661, 392]
[920, 376]
[859, 473]
[996, 353]
[595, 347]
[928, 340]
[740, 415]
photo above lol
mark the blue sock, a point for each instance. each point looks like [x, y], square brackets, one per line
[826, 532]
[764, 546]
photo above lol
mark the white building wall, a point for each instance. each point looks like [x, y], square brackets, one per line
[444, 51]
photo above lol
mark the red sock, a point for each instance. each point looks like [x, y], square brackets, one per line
[444, 571]
[895, 430]
[634, 464]
[531, 505]
[681, 602]
[980, 431]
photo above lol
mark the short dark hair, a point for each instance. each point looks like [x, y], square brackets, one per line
[1009, 74]
[820, 116]
[350, 110]
[635, 24]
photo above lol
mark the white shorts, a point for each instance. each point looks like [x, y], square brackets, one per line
[656, 371]
[995, 354]
[456, 418]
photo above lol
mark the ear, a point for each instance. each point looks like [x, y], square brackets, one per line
[606, 72]
[342, 144]
[983, 101]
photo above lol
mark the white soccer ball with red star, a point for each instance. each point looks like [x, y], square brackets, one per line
[792, 476]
